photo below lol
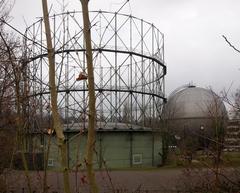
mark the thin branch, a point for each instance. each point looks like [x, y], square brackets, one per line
[230, 44]
[15, 29]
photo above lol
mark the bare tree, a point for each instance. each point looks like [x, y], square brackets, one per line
[218, 116]
[17, 74]
[58, 127]
[7, 44]
[92, 99]
[11, 95]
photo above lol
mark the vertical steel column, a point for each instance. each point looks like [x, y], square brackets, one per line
[131, 93]
[41, 72]
[163, 59]
[131, 71]
[101, 73]
[111, 97]
[136, 94]
[143, 110]
[34, 66]
[152, 78]
[115, 70]
[84, 102]
[101, 93]
[74, 94]
[65, 47]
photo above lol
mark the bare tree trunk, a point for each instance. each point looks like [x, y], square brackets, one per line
[53, 92]
[92, 110]
[20, 126]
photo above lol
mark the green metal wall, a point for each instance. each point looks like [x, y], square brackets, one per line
[142, 145]
[114, 149]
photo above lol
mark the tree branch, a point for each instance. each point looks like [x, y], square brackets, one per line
[230, 44]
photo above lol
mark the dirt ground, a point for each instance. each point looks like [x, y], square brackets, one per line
[147, 181]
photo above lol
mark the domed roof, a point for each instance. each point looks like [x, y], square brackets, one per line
[193, 102]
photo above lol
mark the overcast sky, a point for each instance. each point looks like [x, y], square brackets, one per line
[194, 49]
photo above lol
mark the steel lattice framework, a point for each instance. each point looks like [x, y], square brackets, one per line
[128, 62]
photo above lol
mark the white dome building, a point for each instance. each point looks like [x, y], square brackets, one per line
[194, 113]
